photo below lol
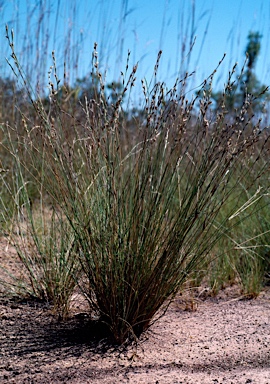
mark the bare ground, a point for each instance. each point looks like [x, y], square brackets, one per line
[225, 340]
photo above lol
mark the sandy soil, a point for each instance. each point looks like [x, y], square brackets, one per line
[225, 340]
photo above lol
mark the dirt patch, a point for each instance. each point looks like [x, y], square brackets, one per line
[225, 340]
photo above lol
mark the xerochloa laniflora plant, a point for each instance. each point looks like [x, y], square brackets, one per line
[141, 195]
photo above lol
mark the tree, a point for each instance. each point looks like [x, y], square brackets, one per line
[238, 92]
[12, 99]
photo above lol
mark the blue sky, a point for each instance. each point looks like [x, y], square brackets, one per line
[143, 27]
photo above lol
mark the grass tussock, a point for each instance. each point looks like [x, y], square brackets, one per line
[138, 203]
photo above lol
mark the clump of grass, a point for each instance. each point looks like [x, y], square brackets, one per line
[44, 242]
[142, 202]
[48, 268]
[252, 245]
[243, 250]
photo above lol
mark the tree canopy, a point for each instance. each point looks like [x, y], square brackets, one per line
[246, 86]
